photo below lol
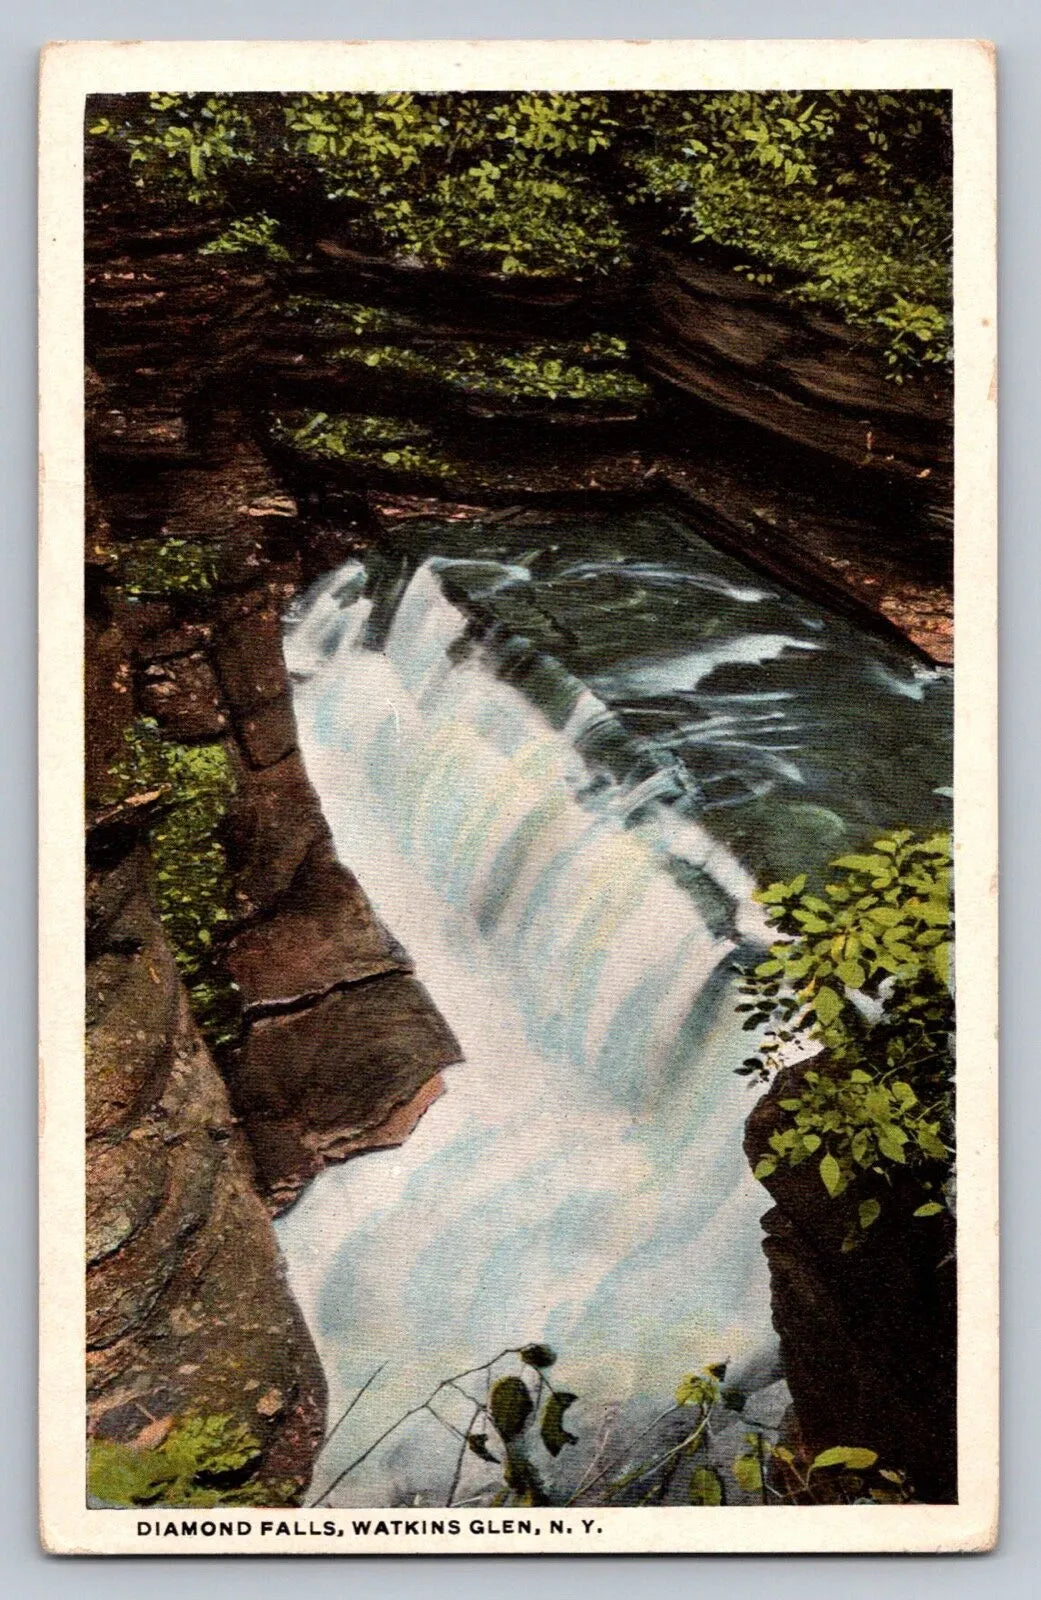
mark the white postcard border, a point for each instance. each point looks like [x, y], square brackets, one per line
[70, 71]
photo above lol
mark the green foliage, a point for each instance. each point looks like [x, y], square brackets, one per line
[193, 881]
[865, 969]
[524, 1422]
[354, 315]
[706, 1487]
[748, 1466]
[523, 1409]
[839, 198]
[539, 1356]
[700, 1389]
[551, 1429]
[248, 236]
[384, 443]
[168, 568]
[485, 178]
[185, 1470]
[763, 1469]
[587, 371]
[842, 1456]
[508, 222]
[191, 143]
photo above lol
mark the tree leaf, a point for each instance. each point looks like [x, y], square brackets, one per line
[749, 1473]
[841, 1455]
[538, 1355]
[510, 1406]
[932, 1208]
[869, 1212]
[706, 1487]
[827, 1005]
[554, 1435]
[891, 1141]
[691, 1390]
[831, 1175]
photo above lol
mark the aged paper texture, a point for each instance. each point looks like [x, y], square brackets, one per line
[517, 669]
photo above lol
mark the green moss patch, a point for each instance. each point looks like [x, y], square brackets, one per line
[248, 236]
[349, 316]
[390, 444]
[193, 881]
[169, 568]
[590, 372]
[203, 1461]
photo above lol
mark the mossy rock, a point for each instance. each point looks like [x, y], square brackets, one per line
[194, 884]
[202, 1461]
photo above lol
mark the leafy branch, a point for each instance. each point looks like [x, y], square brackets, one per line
[506, 1408]
[863, 970]
[518, 1412]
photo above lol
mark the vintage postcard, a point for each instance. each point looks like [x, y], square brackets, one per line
[517, 716]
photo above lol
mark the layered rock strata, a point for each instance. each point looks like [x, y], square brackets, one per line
[193, 551]
[803, 376]
[770, 425]
[773, 426]
[868, 1336]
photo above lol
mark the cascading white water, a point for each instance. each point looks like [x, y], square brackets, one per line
[582, 1181]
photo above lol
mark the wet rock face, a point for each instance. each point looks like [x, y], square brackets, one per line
[794, 372]
[324, 937]
[339, 1040]
[184, 697]
[193, 551]
[338, 1077]
[188, 1310]
[868, 1337]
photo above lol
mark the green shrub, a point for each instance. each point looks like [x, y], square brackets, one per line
[381, 443]
[578, 371]
[837, 198]
[248, 236]
[361, 319]
[865, 970]
[842, 198]
[191, 143]
[193, 881]
[519, 1424]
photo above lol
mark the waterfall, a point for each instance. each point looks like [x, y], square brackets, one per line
[582, 1181]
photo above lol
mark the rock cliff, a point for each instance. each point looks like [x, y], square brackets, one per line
[322, 1042]
[868, 1336]
[208, 509]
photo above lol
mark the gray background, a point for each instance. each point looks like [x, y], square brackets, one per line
[1015, 1569]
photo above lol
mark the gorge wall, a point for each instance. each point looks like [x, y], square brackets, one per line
[205, 518]
[332, 1045]
[869, 1336]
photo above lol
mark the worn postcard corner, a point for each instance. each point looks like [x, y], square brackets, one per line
[517, 714]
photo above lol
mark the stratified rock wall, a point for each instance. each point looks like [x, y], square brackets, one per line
[339, 1048]
[868, 1336]
[188, 1309]
[803, 376]
[771, 425]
